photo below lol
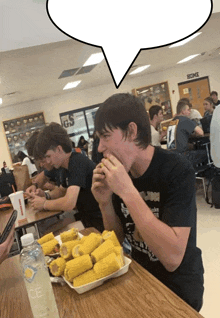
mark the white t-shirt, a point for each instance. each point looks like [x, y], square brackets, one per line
[31, 166]
[155, 137]
[215, 137]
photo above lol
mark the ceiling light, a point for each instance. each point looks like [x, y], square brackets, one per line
[186, 40]
[94, 59]
[188, 58]
[0, 101]
[71, 85]
[139, 69]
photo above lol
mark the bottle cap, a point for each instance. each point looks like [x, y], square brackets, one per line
[27, 239]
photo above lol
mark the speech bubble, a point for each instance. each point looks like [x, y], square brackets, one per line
[122, 28]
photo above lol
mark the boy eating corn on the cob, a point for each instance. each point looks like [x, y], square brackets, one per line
[147, 194]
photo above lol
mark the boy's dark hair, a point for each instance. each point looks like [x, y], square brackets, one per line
[50, 137]
[31, 143]
[154, 110]
[181, 105]
[213, 93]
[118, 111]
[186, 100]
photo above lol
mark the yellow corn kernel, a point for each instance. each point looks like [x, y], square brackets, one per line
[102, 251]
[67, 247]
[69, 235]
[57, 266]
[111, 236]
[77, 266]
[46, 238]
[107, 266]
[48, 247]
[91, 242]
[85, 278]
[120, 255]
[104, 232]
[82, 240]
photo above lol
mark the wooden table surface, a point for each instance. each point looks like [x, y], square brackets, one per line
[134, 294]
[32, 217]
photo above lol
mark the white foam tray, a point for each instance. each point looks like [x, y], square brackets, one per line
[84, 288]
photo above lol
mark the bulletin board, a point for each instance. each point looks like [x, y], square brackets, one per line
[19, 130]
[156, 94]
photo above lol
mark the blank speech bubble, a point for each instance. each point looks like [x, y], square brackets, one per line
[122, 28]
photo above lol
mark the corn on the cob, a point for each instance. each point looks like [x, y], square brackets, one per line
[91, 242]
[46, 238]
[77, 266]
[102, 251]
[85, 278]
[48, 247]
[57, 266]
[107, 266]
[69, 235]
[75, 251]
[111, 236]
[66, 248]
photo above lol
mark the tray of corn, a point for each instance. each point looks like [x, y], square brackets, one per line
[86, 262]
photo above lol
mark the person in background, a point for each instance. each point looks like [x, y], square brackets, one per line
[156, 117]
[75, 177]
[76, 149]
[6, 246]
[214, 96]
[29, 162]
[208, 106]
[147, 194]
[5, 169]
[194, 113]
[83, 144]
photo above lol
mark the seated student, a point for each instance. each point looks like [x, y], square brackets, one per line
[194, 113]
[184, 129]
[29, 162]
[147, 194]
[214, 96]
[208, 106]
[75, 177]
[156, 117]
[6, 246]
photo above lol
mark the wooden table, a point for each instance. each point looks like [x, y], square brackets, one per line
[134, 294]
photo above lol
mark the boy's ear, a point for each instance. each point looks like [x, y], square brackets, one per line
[59, 148]
[132, 131]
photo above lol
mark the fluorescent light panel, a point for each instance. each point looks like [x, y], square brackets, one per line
[139, 69]
[188, 58]
[71, 85]
[186, 40]
[0, 101]
[95, 58]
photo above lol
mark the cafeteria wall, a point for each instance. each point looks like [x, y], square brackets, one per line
[76, 99]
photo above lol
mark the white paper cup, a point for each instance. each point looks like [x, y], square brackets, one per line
[17, 200]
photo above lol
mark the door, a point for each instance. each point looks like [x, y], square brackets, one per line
[196, 91]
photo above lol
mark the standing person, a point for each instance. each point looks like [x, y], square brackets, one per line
[214, 96]
[83, 144]
[75, 171]
[156, 117]
[147, 194]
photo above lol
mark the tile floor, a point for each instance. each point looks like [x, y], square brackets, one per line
[208, 240]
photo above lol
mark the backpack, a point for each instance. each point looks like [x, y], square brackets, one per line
[215, 183]
[7, 183]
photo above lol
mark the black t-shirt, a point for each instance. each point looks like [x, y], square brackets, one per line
[79, 173]
[54, 175]
[168, 188]
[185, 128]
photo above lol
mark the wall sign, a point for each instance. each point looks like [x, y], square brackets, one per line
[192, 75]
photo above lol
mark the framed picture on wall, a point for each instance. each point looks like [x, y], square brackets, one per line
[156, 94]
[19, 130]
[79, 122]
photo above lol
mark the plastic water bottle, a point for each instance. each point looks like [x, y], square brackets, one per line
[37, 279]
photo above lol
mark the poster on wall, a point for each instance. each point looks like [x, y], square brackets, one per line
[156, 94]
[19, 130]
[79, 122]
